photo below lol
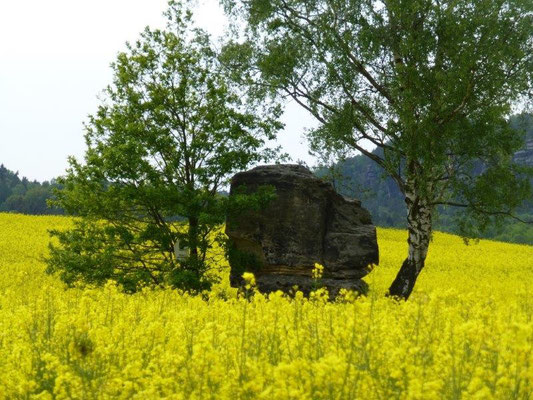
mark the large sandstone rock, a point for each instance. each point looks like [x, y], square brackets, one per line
[307, 223]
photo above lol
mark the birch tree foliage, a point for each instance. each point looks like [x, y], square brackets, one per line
[429, 82]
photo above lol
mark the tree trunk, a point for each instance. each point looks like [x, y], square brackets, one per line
[419, 225]
[193, 237]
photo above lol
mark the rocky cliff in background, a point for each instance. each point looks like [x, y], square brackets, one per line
[362, 178]
[307, 223]
[525, 156]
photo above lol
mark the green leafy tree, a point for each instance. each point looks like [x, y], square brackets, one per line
[23, 196]
[162, 145]
[430, 83]
[8, 180]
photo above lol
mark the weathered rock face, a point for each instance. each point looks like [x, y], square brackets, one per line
[307, 223]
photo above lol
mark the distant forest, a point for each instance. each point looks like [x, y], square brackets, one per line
[362, 178]
[357, 177]
[21, 195]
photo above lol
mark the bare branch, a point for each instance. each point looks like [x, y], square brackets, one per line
[486, 212]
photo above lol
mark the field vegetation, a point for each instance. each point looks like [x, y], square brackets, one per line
[466, 332]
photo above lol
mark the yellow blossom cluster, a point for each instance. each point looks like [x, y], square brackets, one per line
[318, 271]
[466, 332]
[249, 280]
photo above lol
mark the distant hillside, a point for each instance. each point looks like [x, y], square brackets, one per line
[23, 196]
[362, 178]
[525, 156]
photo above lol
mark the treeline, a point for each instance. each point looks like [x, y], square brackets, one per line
[354, 177]
[360, 177]
[24, 196]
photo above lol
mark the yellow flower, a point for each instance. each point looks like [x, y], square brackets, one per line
[465, 332]
[249, 278]
[318, 271]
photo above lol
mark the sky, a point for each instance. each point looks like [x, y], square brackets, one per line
[54, 62]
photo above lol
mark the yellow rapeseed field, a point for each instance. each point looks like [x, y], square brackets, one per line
[466, 332]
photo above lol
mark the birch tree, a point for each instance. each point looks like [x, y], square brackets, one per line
[429, 82]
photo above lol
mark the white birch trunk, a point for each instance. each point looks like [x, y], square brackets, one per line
[419, 225]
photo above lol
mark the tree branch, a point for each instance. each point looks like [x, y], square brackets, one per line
[462, 205]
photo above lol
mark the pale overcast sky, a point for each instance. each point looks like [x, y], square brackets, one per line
[54, 60]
